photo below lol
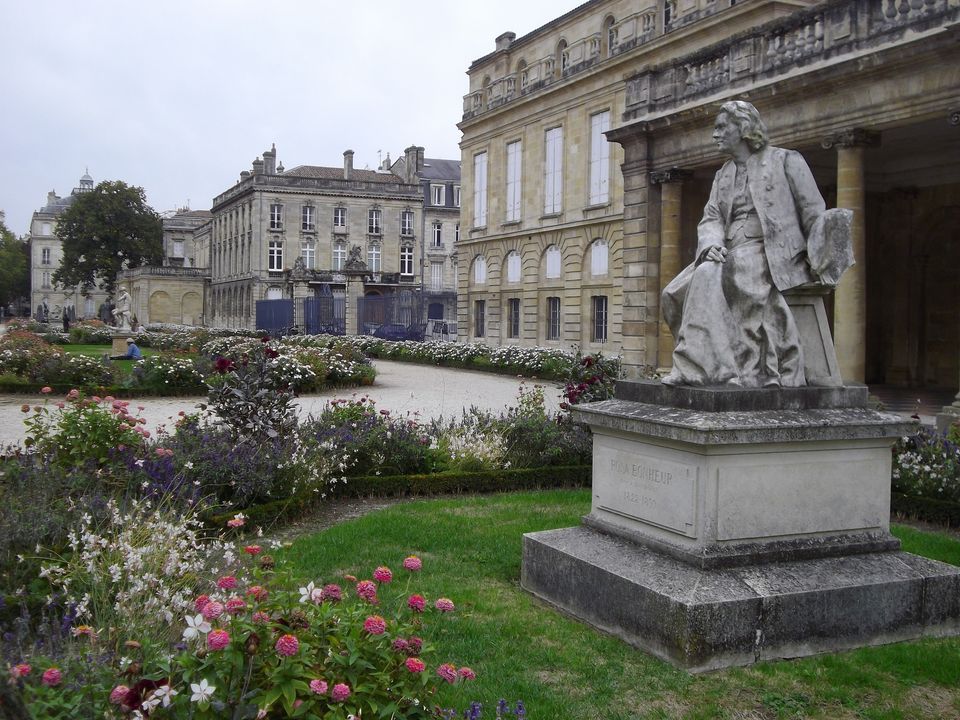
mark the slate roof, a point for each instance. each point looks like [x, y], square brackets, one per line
[437, 169]
[336, 173]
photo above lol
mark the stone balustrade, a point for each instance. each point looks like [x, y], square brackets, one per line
[824, 32]
[163, 271]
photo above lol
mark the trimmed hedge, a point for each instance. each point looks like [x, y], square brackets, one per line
[932, 510]
[429, 484]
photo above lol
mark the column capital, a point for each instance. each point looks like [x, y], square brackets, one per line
[670, 175]
[852, 137]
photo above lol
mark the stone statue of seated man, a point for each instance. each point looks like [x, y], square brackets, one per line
[727, 312]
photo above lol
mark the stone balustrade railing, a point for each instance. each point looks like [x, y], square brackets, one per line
[163, 270]
[826, 31]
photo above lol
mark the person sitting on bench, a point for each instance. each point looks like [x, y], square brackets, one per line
[133, 352]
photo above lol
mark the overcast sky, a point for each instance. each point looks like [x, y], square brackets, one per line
[179, 96]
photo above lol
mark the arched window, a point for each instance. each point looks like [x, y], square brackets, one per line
[551, 260]
[513, 267]
[480, 270]
[599, 256]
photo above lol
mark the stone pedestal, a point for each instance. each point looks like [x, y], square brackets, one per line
[119, 345]
[729, 526]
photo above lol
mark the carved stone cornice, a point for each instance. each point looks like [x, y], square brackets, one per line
[854, 137]
[670, 175]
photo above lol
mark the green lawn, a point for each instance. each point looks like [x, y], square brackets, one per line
[99, 351]
[565, 670]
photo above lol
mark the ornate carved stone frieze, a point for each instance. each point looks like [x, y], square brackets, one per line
[854, 137]
[670, 175]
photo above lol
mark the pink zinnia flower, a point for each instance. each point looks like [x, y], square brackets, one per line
[382, 574]
[375, 625]
[287, 645]
[51, 677]
[415, 665]
[118, 694]
[258, 593]
[227, 582]
[201, 602]
[235, 605]
[448, 672]
[400, 645]
[340, 692]
[416, 603]
[253, 550]
[212, 610]
[61, 405]
[444, 605]
[466, 673]
[367, 590]
[416, 643]
[319, 687]
[20, 670]
[73, 394]
[412, 563]
[236, 521]
[260, 617]
[218, 639]
[331, 592]
[46, 389]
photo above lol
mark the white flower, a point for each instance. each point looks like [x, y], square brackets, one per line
[196, 624]
[165, 694]
[188, 465]
[306, 593]
[202, 691]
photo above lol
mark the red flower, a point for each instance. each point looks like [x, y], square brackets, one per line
[415, 665]
[375, 625]
[416, 603]
[287, 645]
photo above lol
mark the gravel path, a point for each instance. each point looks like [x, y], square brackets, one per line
[432, 392]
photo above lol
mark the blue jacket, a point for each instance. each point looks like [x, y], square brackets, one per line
[133, 351]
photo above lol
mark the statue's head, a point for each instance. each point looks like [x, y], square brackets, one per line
[747, 118]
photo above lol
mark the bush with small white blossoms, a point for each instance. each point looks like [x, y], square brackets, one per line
[927, 464]
[168, 372]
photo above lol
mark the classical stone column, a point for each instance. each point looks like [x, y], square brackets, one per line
[671, 194]
[850, 304]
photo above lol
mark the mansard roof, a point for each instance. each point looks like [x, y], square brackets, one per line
[438, 169]
[336, 173]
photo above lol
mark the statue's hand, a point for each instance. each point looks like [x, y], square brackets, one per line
[717, 254]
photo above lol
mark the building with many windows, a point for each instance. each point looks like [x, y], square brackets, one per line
[48, 302]
[541, 259]
[866, 90]
[356, 237]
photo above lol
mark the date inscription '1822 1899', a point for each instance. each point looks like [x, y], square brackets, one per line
[652, 490]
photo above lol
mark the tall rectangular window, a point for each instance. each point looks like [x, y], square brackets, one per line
[480, 190]
[45, 280]
[513, 181]
[438, 235]
[276, 217]
[438, 194]
[553, 318]
[306, 218]
[436, 276]
[456, 195]
[406, 223]
[374, 226]
[406, 260]
[599, 316]
[456, 233]
[599, 158]
[553, 171]
[178, 248]
[275, 255]
[339, 255]
[479, 317]
[309, 255]
[513, 317]
[45, 256]
[340, 217]
[373, 258]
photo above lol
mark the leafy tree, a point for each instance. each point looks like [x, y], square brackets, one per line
[14, 267]
[105, 230]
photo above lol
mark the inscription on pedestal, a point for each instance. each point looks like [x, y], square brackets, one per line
[648, 489]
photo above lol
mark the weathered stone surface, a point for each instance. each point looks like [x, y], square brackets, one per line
[726, 399]
[709, 619]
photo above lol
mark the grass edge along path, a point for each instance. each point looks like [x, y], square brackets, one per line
[565, 670]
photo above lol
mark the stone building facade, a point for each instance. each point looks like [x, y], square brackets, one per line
[46, 253]
[313, 231]
[542, 259]
[176, 291]
[866, 90]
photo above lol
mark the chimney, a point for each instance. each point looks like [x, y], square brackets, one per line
[270, 160]
[506, 40]
[258, 167]
[420, 161]
[51, 197]
[244, 174]
[347, 164]
[410, 167]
